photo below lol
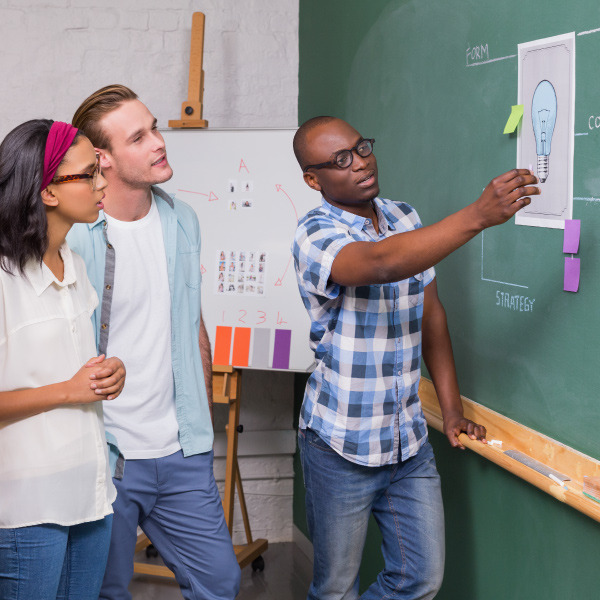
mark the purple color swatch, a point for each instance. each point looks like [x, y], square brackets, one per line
[572, 268]
[281, 352]
[571, 239]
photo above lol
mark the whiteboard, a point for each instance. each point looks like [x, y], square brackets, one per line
[248, 192]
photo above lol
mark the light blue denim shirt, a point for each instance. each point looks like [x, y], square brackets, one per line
[181, 233]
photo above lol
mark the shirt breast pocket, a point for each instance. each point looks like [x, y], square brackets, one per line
[189, 263]
[416, 290]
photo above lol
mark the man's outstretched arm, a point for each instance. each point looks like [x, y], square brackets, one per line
[403, 255]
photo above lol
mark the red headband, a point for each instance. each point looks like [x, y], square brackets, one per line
[59, 140]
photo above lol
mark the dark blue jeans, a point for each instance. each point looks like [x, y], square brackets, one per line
[176, 502]
[52, 562]
[405, 500]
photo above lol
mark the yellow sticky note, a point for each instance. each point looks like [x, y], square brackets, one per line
[516, 114]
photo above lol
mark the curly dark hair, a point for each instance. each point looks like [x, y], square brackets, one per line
[23, 223]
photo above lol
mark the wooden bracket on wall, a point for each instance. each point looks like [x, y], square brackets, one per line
[516, 436]
[191, 109]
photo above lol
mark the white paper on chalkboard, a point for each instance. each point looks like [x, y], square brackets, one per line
[546, 138]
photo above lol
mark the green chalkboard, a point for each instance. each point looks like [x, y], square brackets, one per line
[398, 72]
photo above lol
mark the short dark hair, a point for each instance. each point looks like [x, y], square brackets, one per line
[23, 222]
[300, 144]
[89, 114]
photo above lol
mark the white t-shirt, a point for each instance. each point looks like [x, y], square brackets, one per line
[54, 465]
[143, 417]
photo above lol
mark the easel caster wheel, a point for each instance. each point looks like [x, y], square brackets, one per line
[151, 552]
[258, 564]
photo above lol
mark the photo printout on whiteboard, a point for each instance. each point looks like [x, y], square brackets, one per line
[545, 144]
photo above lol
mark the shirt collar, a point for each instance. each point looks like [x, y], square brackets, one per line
[41, 277]
[385, 217]
[158, 194]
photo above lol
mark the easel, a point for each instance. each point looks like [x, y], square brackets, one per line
[227, 387]
[191, 109]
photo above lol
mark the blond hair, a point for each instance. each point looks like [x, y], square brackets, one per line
[88, 116]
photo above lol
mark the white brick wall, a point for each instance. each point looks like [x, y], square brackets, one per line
[267, 407]
[56, 52]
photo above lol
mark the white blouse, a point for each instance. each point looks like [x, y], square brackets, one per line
[53, 466]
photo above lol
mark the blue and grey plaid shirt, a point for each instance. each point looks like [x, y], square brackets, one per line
[362, 397]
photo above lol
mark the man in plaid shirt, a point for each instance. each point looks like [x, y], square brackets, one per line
[365, 272]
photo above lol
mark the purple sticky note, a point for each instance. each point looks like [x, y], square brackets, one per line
[571, 239]
[281, 351]
[572, 268]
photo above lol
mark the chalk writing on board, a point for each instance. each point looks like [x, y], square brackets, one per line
[593, 122]
[478, 53]
[514, 302]
[495, 280]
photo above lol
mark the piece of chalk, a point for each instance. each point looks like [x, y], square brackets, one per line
[495, 443]
[557, 481]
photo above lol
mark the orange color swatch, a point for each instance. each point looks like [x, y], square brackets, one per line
[241, 346]
[222, 345]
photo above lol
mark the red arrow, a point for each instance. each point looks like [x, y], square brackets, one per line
[280, 189]
[280, 280]
[211, 197]
[202, 269]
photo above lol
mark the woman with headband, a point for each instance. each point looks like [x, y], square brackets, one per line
[56, 488]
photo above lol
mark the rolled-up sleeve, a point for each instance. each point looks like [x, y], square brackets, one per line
[317, 242]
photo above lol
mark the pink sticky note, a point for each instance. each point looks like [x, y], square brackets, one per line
[571, 239]
[572, 269]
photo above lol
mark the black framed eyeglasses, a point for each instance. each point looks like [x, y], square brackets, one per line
[78, 176]
[344, 158]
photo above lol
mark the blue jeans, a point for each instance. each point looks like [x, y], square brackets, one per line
[52, 562]
[176, 502]
[405, 500]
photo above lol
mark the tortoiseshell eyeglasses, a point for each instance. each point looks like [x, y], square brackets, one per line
[78, 176]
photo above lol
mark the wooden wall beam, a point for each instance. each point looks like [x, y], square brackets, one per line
[515, 436]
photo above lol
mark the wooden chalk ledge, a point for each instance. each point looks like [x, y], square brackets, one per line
[515, 436]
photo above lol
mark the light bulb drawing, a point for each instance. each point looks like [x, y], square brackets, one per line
[543, 118]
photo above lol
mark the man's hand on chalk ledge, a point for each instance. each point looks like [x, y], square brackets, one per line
[454, 425]
[504, 196]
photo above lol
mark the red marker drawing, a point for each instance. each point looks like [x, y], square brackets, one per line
[211, 197]
[279, 188]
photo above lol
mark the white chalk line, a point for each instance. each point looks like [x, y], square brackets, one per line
[493, 280]
[485, 62]
[590, 31]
